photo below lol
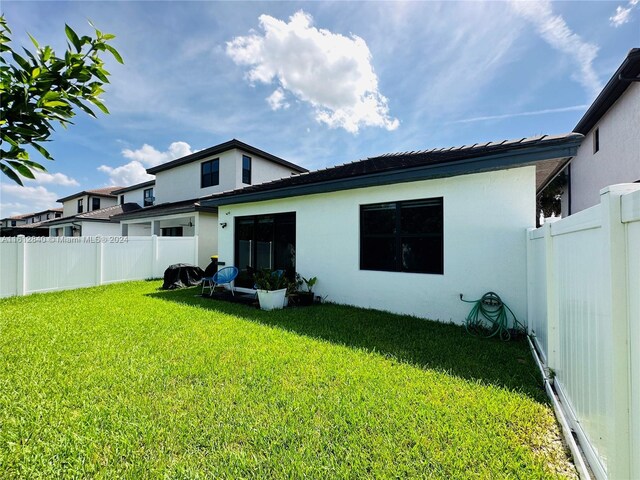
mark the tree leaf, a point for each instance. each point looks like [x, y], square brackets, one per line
[21, 168]
[10, 173]
[73, 37]
[99, 104]
[114, 52]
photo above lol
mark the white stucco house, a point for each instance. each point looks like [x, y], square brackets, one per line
[29, 224]
[405, 232]
[610, 153]
[173, 201]
[89, 213]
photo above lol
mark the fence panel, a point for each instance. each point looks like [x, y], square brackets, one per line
[8, 268]
[584, 370]
[537, 295]
[175, 250]
[59, 266]
[132, 260]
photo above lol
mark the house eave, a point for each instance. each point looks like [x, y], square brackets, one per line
[493, 162]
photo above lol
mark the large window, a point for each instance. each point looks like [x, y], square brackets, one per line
[210, 173]
[402, 236]
[246, 170]
[265, 241]
[80, 206]
[95, 203]
[148, 197]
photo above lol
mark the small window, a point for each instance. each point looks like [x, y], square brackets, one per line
[402, 236]
[58, 215]
[48, 216]
[121, 199]
[210, 173]
[148, 197]
[80, 207]
[246, 170]
[171, 232]
[95, 203]
[596, 140]
[13, 223]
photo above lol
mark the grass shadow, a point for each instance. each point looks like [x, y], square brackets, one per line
[423, 343]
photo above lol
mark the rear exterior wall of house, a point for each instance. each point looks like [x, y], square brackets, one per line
[485, 218]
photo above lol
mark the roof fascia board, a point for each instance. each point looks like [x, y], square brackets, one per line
[426, 172]
[190, 209]
[224, 147]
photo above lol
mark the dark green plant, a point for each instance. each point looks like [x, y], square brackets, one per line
[309, 283]
[266, 279]
[40, 88]
[548, 202]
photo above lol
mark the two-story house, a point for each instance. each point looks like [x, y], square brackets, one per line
[610, 152]
[181, 184]
[29, 224]
[89, 213]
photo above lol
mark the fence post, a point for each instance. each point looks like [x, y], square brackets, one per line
[20, 267]
[154, 256]
[529, 280]
[99, 260]
[553, 330]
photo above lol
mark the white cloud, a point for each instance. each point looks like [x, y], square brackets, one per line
[554, 30]
[277, 100]
[53, 179]
[142, 158]
[151, 157]
[622, 14]
[331, 72]
[18, 200]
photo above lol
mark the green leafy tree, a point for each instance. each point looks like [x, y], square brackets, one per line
[38, 89]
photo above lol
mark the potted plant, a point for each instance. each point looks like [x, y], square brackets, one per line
[271, 287]
[306, 298]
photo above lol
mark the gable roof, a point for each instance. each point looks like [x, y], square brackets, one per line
[553, 151]
[98, 192]
[223, 147]
[100, 215]
[134, 187]
[626, 73]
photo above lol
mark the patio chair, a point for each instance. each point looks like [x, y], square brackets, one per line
[224, 276]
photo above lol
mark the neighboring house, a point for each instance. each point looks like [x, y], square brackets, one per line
[88, 200]
[141, 193]
[610, 153]
[29, 224]
[95, 222]
[404, 232]
[85, 205]
[180, 184]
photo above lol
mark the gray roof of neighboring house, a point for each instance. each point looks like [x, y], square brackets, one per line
[100, 215]
[167, 208]
[32, 214]
[134, 187]
[223, 147]
[626, 73]
[551, 151]
[98, 192]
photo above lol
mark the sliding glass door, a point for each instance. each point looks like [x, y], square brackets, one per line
[265, 241]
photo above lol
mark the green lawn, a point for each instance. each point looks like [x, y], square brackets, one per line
[127, 381]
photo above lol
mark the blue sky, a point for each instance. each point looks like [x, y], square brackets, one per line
[320, 83]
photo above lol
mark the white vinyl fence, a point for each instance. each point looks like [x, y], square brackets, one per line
[43, 264]
[584, 310]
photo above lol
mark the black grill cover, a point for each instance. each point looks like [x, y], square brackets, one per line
[181, 275]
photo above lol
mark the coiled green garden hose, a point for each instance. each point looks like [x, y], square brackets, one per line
[488, 318]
